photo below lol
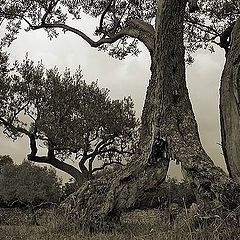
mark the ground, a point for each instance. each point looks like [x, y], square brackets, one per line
[168, 224]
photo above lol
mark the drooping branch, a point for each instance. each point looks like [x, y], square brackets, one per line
[14, 128]
[135, 28]
[52, 160]
[81, 34]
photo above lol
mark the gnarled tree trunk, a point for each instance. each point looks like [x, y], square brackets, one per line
[168, 116]
[230, 106]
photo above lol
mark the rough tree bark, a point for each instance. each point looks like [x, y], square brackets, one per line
[230, 105]
[167, 115]
[168, 110]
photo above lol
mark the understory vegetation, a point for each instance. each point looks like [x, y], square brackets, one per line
[169, 212]
[169, 223]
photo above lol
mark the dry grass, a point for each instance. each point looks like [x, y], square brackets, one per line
[136, 225]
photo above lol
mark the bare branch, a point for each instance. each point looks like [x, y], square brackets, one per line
[80, 33]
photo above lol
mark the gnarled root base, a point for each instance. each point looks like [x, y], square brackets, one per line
[98, 204]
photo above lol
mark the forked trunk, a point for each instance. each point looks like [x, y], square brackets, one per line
[169, 131]
[230, 106]
[168, 111]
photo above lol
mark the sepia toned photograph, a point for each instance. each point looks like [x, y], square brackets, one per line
[119, 119]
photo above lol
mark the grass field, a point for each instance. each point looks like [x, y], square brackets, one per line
[142, 225]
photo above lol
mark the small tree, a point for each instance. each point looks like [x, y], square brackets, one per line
[29, 185]
[69, 116]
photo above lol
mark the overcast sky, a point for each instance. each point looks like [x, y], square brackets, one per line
[123, 78]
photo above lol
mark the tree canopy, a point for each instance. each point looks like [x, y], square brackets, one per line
[119, 20]
[69, 116]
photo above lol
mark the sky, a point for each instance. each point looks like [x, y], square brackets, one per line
[123, 78]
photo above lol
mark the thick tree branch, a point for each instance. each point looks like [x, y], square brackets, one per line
[135, 28]
[72, 171]
[81, 34]
[82, 166]
[142, 31]
[52, 160]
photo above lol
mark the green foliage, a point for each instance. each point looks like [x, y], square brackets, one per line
[29, 184]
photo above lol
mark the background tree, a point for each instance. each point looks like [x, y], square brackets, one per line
[71, 118]
[167, 112]
[29, 185]
[5, 160]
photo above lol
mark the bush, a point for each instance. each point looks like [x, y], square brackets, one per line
[29, 185]
[171, 191]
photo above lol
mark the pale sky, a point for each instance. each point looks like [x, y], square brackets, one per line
[123, 78]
